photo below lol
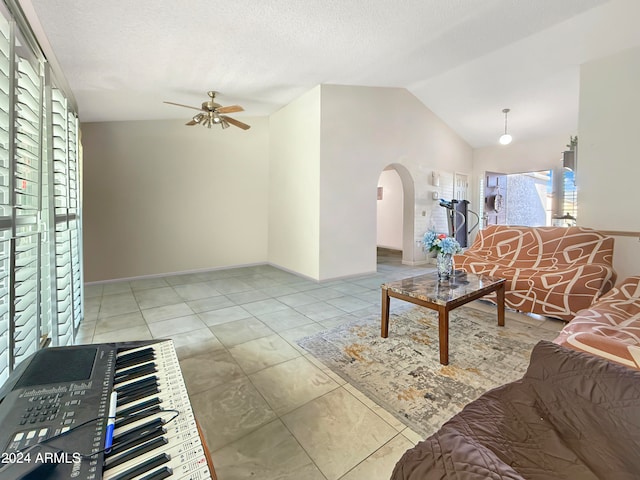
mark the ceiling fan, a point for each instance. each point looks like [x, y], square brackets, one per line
[212, 113]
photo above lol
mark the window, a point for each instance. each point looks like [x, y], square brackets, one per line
[40, 269]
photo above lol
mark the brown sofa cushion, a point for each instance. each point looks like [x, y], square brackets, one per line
[572, 416]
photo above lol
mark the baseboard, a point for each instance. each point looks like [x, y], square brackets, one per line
[182, 272]
[415, 263]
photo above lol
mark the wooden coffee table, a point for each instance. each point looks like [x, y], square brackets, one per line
[443, 296]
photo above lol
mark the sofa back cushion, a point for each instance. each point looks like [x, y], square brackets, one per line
[543, 247]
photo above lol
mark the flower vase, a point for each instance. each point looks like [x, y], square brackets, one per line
[444, 265]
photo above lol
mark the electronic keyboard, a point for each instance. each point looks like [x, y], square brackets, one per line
[61, 420]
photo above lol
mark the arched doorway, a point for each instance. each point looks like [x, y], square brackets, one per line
[396, 206]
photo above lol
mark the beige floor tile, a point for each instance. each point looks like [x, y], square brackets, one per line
[285, 320]
[269, 453]
[230, 411]
[184, 278]
[84, 337]
[93, 291]
[334, 376]
[195, 291]
[224, 315]
[208, 304]
[168, 328]
[208, 370]
[148, 283]
[116, 287]
[263, 352]
[291, 384]
[196, 342]
[125, 335]
[119, 322]
[117, 304]
[166, 312]
[292, 335]
[381, 463]
[263, 307]
[157, 297]
[240, 331]
[338, 432]
[377, 409]
[412, 436]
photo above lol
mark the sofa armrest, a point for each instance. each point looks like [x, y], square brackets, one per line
[613, 349]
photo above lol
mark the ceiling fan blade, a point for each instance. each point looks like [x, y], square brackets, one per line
[191, 122]
[180, 105]
[230, 109]
[237, 123]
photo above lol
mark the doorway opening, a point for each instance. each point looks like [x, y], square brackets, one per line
[395, 216]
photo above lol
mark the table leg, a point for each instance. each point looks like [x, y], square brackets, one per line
[443, 329]
[385, 314]
[500, 304]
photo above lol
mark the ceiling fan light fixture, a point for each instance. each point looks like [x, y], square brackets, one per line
[213, 113]
[505, 138]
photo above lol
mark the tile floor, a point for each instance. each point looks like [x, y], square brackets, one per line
[268, 409]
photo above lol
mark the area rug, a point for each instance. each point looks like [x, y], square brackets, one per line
[402, 373]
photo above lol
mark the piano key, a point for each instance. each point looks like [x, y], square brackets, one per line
[164, 472]
[142, 468]
[181, 458]
[134, 358]
[121, 447]
[144, 413]
[115, 460]
[139, 395]
[178, 431]
[138, 407]
[134, 372]
[184, 442]
[137, 384]
[138, 431]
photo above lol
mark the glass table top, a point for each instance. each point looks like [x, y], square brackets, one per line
[429, 289]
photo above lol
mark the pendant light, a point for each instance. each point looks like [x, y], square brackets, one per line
[505, 138]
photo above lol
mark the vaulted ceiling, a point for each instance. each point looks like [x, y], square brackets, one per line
[464, 59]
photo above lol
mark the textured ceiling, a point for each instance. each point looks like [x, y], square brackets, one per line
[465, 59]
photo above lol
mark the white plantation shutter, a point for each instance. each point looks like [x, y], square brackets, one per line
[27, 181]
[40, 207]
[6, 358]
[66, 208]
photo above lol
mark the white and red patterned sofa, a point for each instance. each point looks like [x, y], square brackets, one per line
[610, 328]
[551, 271]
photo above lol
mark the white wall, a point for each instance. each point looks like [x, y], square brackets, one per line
[363, 130]
[160, 197]
[294, 185]
[608, 144]
[521, 157]
[297, 190]
[390, 210]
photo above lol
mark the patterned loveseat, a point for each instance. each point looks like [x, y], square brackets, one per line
[552, 271]
[610, 328]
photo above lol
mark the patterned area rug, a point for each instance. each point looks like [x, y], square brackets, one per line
[402, 373]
